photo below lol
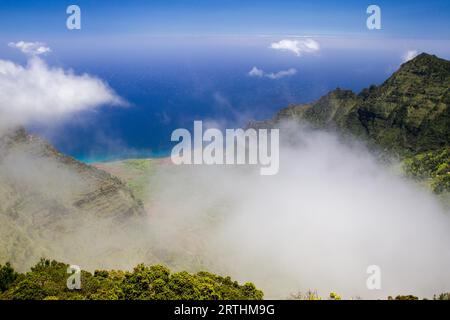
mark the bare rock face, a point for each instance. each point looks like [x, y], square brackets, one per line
[53, 205]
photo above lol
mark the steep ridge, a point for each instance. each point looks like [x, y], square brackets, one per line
[47, 198]
[408, 113]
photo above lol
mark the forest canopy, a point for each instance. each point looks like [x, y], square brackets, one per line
[47, 280]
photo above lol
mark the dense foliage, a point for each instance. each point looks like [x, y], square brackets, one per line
[433, 166]
[7, 277]
[48, 281]
[408, 113]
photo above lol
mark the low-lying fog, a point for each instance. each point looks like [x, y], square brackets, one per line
[331, 212]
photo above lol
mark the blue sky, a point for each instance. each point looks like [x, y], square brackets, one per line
[424, 19]
[176, 61]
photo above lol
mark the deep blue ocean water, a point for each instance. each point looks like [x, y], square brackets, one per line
[170, 86]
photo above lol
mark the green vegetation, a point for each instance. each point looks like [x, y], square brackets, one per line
[407, 115]
[431, 166]
[7, 277]
[309, 295]
[136, 173]
[407, 297]
[442, 296]
[313, 295]
[335, 296]
[47, 281]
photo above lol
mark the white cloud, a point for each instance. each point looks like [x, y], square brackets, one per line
[31, 48]
[297, 46]
[37, 92]
[409, 55]
[281, 74]
[255, 72]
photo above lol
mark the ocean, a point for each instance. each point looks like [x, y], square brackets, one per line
[169, 86]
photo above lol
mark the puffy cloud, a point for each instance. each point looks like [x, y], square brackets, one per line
[409, 55]
[255, 72]
[297, 46]
[31, 48]
[37, 92]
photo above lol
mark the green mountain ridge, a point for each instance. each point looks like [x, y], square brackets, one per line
[48, 199]
[407, 115]
[409, 112]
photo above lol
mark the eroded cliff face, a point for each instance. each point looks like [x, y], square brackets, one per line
[52, 204]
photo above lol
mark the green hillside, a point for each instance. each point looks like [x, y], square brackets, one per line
[408, 115]
[409, 112]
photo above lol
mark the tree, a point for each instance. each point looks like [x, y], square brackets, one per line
[7, 276]
[47, 280]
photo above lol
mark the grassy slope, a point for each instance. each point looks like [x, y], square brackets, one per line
[45, 195]
[136, 173]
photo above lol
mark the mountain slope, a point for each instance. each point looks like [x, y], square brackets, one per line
[408, 113]
[47, 199]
